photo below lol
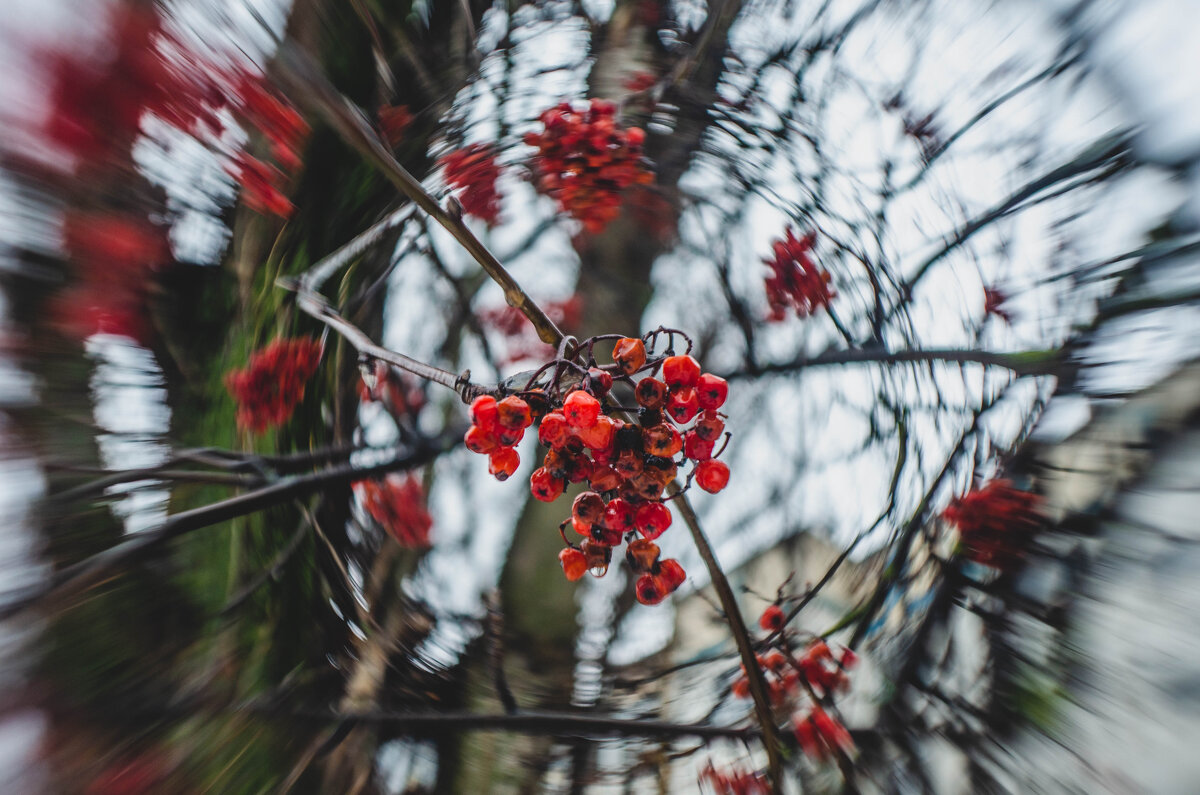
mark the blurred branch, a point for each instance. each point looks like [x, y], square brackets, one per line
[1022, 363]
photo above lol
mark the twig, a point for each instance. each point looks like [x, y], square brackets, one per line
[1022, 363]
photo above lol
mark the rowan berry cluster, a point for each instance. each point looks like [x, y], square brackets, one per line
[626, 461]
[268, 390]
[734, 781]
[995, 523]
[795, 282]
[397, 503]
[283, 128]
[473, 170]
[585, 160]
[816, 672]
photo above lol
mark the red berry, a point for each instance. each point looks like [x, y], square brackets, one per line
[574, 563]
[775, 660]
[598, 556]
[741, 688]
[545, 486]
[503, 462]
[683, 405]
[480, 441]
[697, 448]
[514, 413]
[581, 409]
[598, 436]
[604, 478]
[641, 554]
[670, 574]
[712, 476]
[484, 412]
[652, 519]
[619, 515]
[509, 437]
[662, 440]
[598, 382]
[709, 427]
[588, 508]
[772, 618]
[650, 392]
[648, 590]
[849, 659]
[604, 535]
[630, 354]
[553, 431]
[712, 391]
[680, 371]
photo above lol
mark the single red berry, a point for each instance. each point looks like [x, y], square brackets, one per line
[509, 437]
[775, 660]
[553, 430]
[581, 409]
[650, 392]
[772, 618]
[662, 440]
[599, 435]
[514, 413]
[619, 515]
[670, 574]
[628, 463]
[574, 563]
[680, 371]
[710, 426]
[545, 486]
[598, 556]
[641, 554]
[741, 688]
[484, 412]
[652, 519]
[849, 659]
[711, 391]
[604, 535]
[712, 476]
[696, 448]
[480, 441]
[683, 405]
[648, 590]
[503, 462]
[588, 508]
[598, 382]
[604, 477]
[578, 467]
[630, 354]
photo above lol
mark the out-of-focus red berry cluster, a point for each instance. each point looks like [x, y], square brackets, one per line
[397, 503]
[520, 338]
[795, 282]
[268, 390]
[473, 170]
[585, 160]
[815, 675]
[734, 781]
[285, 131]
[626, 463]
[995, 523]
[394, 120]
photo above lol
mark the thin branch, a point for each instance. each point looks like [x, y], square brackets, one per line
[309, 87]
[95, 569]
[1023, 363]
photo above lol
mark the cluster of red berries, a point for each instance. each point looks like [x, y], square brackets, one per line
[995, 523]
[626, 464]
[112, 253]
[520, 338]
[816, 671]
[397, 503]
[268, 390]
[734, 781]
[795, 282]
[585, 160]
[474, 170]
[284, 129]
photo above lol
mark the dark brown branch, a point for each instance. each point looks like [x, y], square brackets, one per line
[1022, 363]
[77, 577]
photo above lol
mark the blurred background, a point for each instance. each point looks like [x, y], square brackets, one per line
[944, 252]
